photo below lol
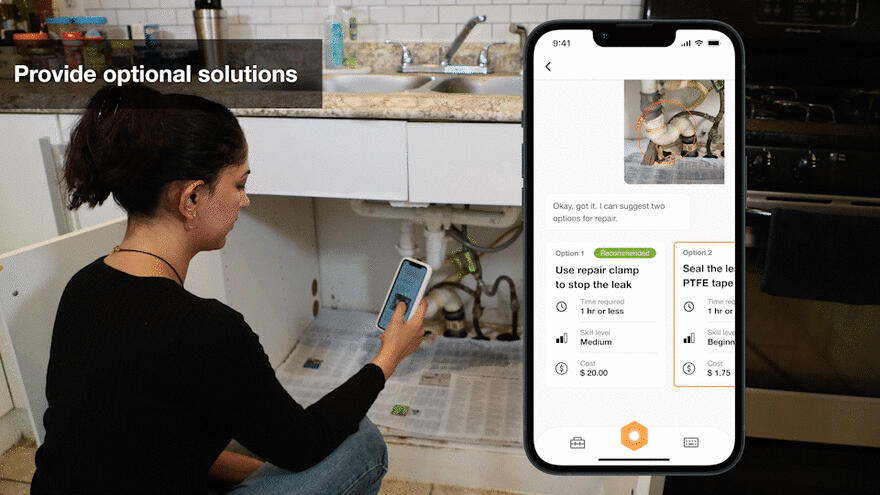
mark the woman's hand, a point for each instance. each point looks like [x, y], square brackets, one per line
[401, 338]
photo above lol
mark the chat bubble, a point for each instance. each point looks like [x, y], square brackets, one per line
[618, 212]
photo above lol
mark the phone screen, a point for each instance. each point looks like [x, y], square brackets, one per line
[405, 288]
[633, 188]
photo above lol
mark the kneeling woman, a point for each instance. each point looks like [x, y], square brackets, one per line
[147, 383]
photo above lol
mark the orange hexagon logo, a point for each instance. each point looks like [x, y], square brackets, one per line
[634, 436]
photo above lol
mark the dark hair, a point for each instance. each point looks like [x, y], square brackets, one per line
[133, 140]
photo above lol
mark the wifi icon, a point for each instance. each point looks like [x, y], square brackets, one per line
[698, 42]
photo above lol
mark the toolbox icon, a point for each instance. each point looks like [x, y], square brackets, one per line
[577, 443]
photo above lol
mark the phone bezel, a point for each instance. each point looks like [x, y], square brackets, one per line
[644, 32]
[422, 288]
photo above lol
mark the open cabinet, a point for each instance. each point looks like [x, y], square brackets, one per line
[289, 262]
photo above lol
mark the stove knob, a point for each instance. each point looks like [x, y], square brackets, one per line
[759, 166]
[805, 168]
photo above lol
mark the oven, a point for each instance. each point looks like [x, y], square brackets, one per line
[812, 228]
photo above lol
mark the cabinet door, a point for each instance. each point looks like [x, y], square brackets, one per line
[465, 163]
[26, 204]
[335, 158]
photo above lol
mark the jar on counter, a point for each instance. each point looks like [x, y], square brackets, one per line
[72, 41]
[38, 50]
[91, 25]
[57, 26]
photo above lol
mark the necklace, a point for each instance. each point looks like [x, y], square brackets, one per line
[118, 249]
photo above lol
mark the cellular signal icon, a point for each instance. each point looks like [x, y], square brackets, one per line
[563, 339]
[686, 43]
[690, 339]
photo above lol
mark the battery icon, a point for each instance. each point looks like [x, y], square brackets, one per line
[713, 42]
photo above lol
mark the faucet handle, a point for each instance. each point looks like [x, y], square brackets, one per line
[483, 57]
[405, 56]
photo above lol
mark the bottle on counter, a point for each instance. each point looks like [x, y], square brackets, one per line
[332, 39]
[73, 48]
[350, 55]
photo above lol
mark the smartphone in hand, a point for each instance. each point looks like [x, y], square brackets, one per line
[408, 286]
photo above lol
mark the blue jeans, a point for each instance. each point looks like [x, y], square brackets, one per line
[356, 467]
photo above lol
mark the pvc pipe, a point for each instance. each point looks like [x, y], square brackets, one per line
[650, 86]
[444, 216]
[407, 246]
[435, 245]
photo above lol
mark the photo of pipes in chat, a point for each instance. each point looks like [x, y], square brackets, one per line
[634, 194]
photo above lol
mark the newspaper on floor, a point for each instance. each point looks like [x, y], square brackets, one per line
[449, 389]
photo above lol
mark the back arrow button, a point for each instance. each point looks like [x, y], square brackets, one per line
[548, 66]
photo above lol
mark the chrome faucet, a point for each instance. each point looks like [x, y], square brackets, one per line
[520, 30]
[456, 43]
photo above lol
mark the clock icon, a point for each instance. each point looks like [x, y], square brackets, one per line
[689, 306]
[561, 306]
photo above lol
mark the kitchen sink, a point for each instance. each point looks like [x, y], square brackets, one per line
[481, 85]
[373, 83]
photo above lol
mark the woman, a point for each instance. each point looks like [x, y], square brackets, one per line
[147, 383]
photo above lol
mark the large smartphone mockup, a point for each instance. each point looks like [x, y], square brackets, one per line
[634, 203]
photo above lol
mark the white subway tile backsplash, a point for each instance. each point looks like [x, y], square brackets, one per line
[438, 32]
[172, 4]
[314, 15]
[420, 14]
[386, 15]
[493, 13]
[631, 12]
[285, 15]
[404, 32]
[130, 16]
[178, 32]
[410, 20]
[565, 11]
[528, 13]
[456, 14]
[162, 17]
[371, 32]
[304, 31]
[271, 32]
[253, 15]
[141, 4]
[601, 12]
[241, 31]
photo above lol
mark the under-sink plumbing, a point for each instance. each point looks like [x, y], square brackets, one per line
[439, 222]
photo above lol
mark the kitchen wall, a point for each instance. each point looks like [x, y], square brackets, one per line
[428, 20]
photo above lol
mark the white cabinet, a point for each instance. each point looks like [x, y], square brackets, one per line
[26, 203]
[472, 163]
[341, 158]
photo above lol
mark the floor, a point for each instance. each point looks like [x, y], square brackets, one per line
[17, 469]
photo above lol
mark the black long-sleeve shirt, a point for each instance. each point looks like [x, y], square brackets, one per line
[147, 383]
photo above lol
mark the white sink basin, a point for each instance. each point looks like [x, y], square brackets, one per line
[481, 85]
[373, 83]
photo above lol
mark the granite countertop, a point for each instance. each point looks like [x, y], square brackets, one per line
[422, 106]
[404, 106]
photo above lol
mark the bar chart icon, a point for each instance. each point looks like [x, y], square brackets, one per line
[562, 339]
[690, 339]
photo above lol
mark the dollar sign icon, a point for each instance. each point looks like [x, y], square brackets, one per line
[688, 368]
[582, 373]
[561, 368]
